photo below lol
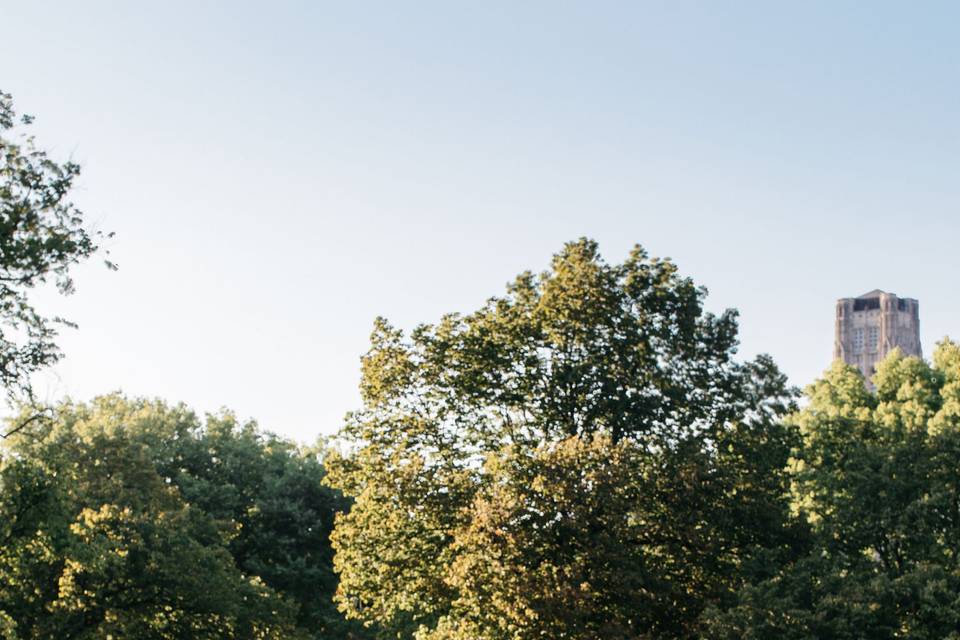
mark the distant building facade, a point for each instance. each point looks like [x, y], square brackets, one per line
[874, 324]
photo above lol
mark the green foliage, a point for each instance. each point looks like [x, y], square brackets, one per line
[579, 458]
[42, 235]
[135, 519]
[877, 478]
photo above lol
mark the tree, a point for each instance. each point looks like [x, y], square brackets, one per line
[582, 454]
[137, 519]
[271, 491]
[876, 476]
[110, 548]
[42, 236]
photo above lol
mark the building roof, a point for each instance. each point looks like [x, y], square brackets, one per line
[876, 293]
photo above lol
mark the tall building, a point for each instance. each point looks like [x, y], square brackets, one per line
[874, 324]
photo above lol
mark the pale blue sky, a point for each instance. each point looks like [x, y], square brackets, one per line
[279, 173]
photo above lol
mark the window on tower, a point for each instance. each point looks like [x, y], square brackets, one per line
[873, 338]
[858, 340]
[866, 304]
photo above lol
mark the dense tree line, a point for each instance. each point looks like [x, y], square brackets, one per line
[133, 519]
[582, 457]
[877, 478]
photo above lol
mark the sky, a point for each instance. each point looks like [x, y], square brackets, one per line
[278, 174]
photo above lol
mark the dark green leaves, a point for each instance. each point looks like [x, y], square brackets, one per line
[138, 520]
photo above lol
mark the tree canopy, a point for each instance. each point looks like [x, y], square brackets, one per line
[877, 478]
[134, 519]
[582, 457]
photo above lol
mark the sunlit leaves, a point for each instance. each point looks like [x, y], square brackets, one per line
[877, 478]
[134, 519]
[581, 457]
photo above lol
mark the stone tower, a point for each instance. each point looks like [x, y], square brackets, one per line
[872, 325]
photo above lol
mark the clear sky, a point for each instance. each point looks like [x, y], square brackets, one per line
[279, 173]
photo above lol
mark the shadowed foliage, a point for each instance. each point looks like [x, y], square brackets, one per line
[137, 519]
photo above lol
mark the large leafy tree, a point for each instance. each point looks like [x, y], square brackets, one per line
[42, 236]
[581, 458]
[118, 553]
[136, 519]
[271, 492]
[877, 478]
